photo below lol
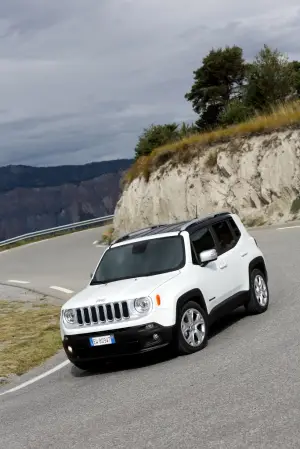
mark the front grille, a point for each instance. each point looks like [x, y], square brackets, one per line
[104, 313]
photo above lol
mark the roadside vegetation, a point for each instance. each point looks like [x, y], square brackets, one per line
[35, 239]
[231, 98]
[108, 236]
[29, 335]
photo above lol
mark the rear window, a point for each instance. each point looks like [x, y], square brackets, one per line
[235, 228]
[224, 235]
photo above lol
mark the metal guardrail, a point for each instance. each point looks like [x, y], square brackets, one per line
[56, 230]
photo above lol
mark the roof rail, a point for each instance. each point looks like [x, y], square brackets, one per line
[221, 213]
[189, 223]
[200, 219]
[132, 234]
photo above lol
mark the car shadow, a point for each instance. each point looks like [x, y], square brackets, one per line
[156, 357]
[131, 362]
[226, 321]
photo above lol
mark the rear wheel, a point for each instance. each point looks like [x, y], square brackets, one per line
[259, 293]
[192, 328]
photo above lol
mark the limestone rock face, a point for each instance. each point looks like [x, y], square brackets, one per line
[258, 177]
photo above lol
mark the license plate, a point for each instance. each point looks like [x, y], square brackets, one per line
[104, 340]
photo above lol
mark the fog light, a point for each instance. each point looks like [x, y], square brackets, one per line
[70, 349]
[155, 336]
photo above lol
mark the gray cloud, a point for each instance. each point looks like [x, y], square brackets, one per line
[80, 79]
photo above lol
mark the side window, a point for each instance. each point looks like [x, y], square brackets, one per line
[235, 229]
[226, 239]
[201, 240]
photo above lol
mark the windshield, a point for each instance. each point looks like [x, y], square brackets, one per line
[144, 258]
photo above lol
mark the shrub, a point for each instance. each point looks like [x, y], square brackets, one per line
[235, 112]
[108, 236]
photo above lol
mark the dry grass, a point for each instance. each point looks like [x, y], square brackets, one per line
[295, 208]
[108, 236]
[29, 335]
[211, 159]
[186, 149]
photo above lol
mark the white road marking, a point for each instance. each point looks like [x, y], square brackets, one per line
[61, 289]
[15, 281]
[99, 244]
[35, 379]
[288, 227]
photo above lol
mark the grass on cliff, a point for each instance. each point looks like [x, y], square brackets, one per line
[29, 335]
[183, 151]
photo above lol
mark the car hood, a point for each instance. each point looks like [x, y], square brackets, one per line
[119, 290]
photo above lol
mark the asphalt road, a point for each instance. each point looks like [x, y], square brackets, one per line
[64, 262]
[242, 391]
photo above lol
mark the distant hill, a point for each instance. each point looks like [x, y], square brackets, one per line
[12, 176]
[35, 198]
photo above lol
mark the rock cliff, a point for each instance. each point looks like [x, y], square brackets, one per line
[257, 177]
[33, 198]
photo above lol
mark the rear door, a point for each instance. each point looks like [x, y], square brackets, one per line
[229, 259]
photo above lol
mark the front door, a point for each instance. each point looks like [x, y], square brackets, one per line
[213, 275]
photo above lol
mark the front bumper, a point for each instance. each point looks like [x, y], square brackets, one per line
[128, 341]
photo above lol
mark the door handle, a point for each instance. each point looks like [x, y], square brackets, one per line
[244, 254]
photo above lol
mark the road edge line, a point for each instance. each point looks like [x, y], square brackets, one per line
[36, 378]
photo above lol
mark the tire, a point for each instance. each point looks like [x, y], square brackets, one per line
[183, 347]
[259, 293]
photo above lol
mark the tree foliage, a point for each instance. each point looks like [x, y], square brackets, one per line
[296, 67]
[271, 79]
[227, 90]
[216, 82]
[157, 135]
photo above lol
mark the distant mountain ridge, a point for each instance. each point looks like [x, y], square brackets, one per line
[12, 176]
[35, 198]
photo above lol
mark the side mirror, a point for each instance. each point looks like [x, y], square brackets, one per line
[208, 256]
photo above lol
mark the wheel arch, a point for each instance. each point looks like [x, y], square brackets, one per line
[192, 295]
[258, 263]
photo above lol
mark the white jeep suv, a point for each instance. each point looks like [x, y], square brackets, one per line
[165, 285]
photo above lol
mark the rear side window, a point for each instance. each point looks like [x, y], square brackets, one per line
[235, 228]
[224, 235]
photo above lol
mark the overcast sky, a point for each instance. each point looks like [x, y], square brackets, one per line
[80, 79]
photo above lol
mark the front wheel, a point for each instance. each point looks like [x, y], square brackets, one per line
[192, 328]
[259, 293]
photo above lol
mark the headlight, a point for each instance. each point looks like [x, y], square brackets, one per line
[142, 305]
[69, 316]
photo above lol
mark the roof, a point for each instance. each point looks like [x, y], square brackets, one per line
[168, 228]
